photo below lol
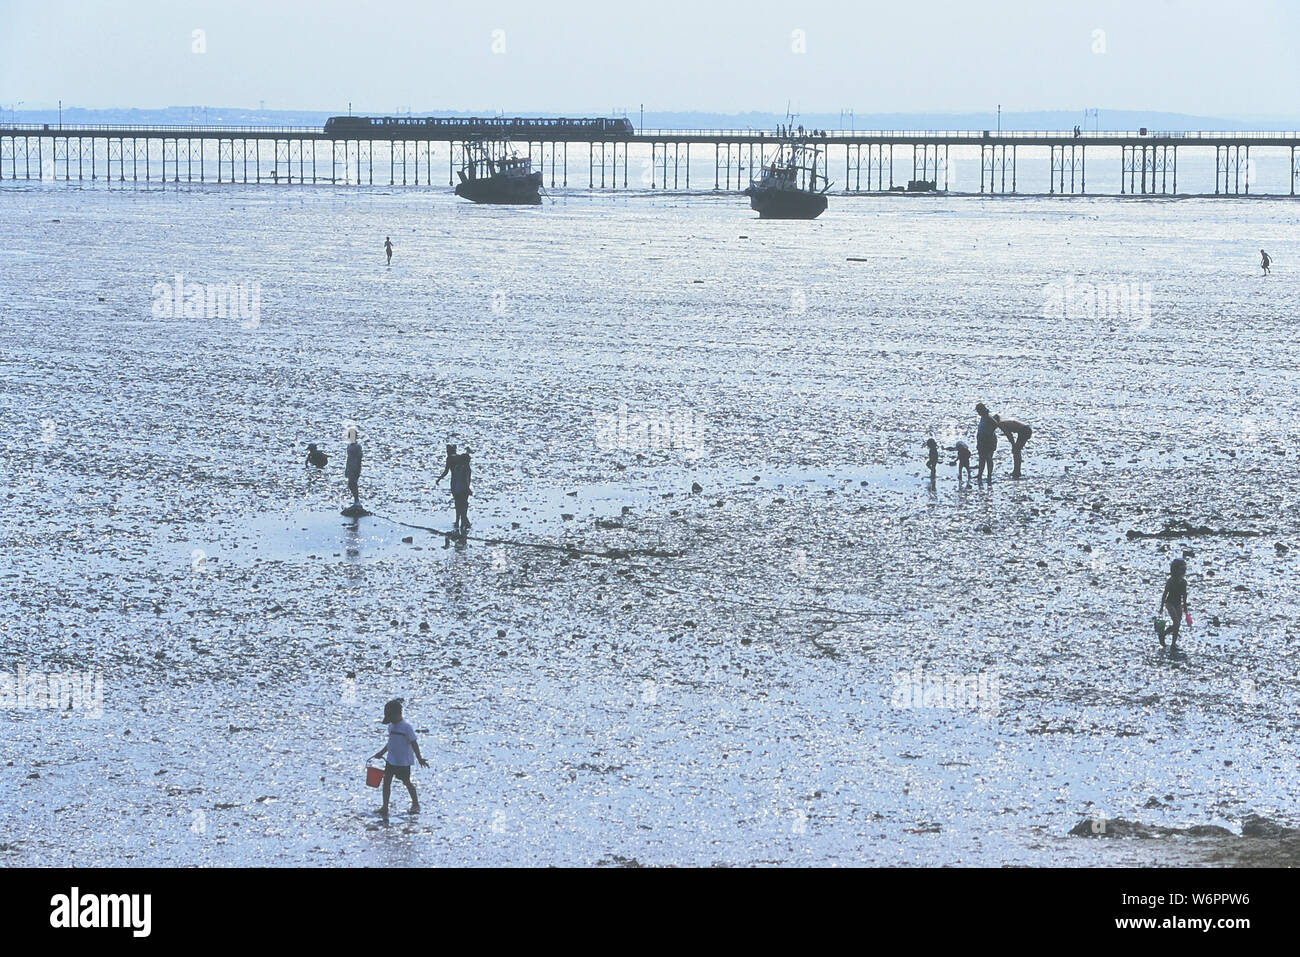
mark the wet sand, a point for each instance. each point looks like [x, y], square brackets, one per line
[708, 677]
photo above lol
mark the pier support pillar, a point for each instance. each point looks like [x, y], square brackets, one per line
[994, 162]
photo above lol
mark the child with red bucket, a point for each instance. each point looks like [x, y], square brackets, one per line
[401, 748]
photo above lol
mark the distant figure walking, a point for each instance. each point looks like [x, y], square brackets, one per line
[388, 248]
[1174, 600]
[352, 468]
[1018, 433]
[986, 440]
[1264, 261]
[932, 460]
[458, 466]
[402, 750]
[316, 457]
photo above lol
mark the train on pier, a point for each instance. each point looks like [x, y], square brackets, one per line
[476, 127]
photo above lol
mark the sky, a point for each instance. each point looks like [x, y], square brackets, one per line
[383, 56]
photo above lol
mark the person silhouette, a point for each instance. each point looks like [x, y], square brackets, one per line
[986, 440]
[1018, 433]
[352, 468]
[459, 467]
[1264, 261]
[388, 249]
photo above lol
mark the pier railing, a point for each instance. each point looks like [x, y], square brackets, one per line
[206, 130]
[196, 130]
[977, 135]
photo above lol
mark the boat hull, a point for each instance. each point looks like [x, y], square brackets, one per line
[786, 203]
[503, 191]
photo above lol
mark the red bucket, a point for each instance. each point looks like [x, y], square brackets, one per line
[374, 775]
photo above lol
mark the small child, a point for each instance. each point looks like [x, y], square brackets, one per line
[963, 460]
[316, 457]
[933, 459]
[401, 747]
[1174, 600]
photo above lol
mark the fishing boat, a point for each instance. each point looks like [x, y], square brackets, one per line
[489, 176]
[790, 186]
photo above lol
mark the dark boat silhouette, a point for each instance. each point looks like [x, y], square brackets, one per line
[502, 180]
[790, 186]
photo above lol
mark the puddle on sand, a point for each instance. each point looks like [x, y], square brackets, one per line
[324, 534]
[301, 536]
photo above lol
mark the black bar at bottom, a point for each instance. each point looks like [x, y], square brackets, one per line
[238, 907]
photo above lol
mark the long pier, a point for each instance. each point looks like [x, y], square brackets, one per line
[873, 161]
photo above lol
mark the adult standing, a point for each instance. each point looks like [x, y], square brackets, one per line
[352, 468]
[986, 440]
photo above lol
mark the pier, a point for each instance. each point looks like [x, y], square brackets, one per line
[424, 152]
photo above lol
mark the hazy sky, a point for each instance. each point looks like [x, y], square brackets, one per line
[1211, 58]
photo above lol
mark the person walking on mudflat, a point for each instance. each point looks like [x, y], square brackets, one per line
[1018, 433]
[458, 466]
[932, 459]
[1264, 261]
[1174, 601]
[388, 248]
[986, 440]
[401, 748]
